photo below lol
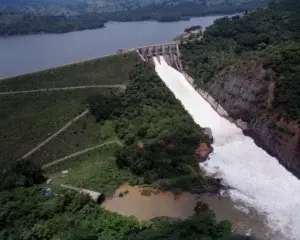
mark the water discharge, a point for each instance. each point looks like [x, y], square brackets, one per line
[256, 178]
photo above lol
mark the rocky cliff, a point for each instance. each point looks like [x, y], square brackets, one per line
[245, 92]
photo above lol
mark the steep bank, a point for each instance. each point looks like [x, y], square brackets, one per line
[244, 95]
[256, 179]
[250, 67]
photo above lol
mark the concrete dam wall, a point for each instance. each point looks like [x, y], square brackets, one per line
[170, 52]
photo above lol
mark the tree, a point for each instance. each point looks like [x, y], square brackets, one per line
[21, 173]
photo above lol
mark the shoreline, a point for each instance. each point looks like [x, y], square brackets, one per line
[182, 19]
[61, 66]
[36, 62]
[256, 220]
[270, 233]
[244, 126]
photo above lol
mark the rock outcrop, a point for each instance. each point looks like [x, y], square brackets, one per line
[244, 94]
[202, 151]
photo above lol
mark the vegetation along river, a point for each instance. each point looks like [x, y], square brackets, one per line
[23, 54]
[260, 186]
[256, 179]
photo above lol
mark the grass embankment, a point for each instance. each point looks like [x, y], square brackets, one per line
[84, 133]
[107, 70]
[28, 119]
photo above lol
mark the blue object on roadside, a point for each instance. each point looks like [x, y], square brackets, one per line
[48, 192]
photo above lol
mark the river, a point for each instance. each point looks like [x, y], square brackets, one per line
[23, 54]
[261, 187]
[257, 180]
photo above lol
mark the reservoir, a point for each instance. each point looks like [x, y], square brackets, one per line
[24, 54]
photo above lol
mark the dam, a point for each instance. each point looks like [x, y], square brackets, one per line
[169, 51]
[256, 179]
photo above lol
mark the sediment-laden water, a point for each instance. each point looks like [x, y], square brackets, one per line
[259, 183]
[158, 204]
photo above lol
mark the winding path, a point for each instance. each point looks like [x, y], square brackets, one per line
[64, 88]
[81, 152]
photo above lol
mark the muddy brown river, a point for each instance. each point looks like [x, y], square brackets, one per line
[166, 204]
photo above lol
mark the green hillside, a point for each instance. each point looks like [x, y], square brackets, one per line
[157, 147]
[269, 36]
[27, 119]
[250, 65]
[76, 6]
[25, 17]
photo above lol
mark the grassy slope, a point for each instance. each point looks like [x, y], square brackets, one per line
[107, 70]
[82, 134]
[28, 119]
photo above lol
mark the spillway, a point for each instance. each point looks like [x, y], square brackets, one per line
[256, 179]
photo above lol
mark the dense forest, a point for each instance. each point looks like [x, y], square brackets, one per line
[160, 137]
[73, 7]
[183, 11]
[27, 214]
[19, 24]
[269, 36]
[72, 16]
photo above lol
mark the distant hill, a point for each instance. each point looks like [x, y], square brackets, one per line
[101, 6]
[57, 16]
[31, 2]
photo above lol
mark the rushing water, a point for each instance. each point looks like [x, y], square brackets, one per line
[256, 178]
[23, 54]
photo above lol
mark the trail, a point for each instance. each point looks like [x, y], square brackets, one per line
[68, 124]
[93, 194]
[81, 152]
[256, 179]
[64, 88]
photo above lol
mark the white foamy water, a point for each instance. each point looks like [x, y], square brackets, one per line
[258, 179]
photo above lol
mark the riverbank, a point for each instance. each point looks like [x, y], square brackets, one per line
[252, 174]
[147, 203]
[276, 143]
